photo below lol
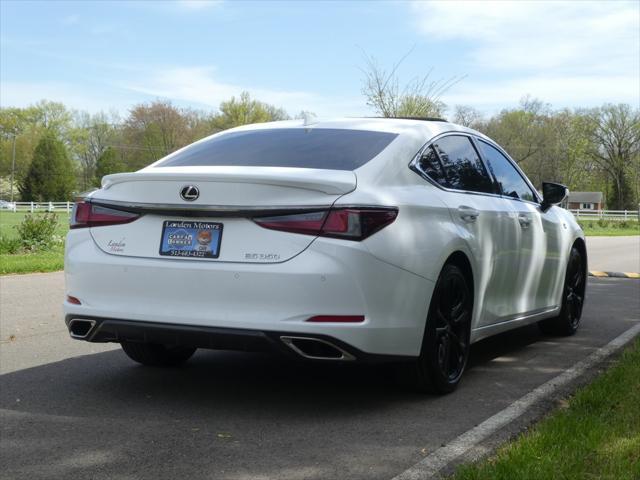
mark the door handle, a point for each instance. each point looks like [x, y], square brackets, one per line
[468, 214]
[524, 219]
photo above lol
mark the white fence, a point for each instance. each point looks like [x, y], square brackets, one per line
[40, 207]
[606, 214]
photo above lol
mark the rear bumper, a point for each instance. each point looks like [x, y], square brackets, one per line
[331, 277]
[115, 330]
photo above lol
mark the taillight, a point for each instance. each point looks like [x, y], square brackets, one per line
[89, 215]
[352, 223]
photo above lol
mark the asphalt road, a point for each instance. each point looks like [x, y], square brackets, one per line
[69, 409]
[614, 254]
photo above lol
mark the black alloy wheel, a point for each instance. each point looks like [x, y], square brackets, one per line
[567, 322]
[445, 346]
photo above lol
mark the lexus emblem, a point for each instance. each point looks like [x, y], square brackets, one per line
[189, 193]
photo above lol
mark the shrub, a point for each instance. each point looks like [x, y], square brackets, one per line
[37, 231]
[10, 245]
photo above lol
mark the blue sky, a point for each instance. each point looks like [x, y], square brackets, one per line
[97, 55]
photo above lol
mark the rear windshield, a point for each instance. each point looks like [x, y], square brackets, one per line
[333, 149]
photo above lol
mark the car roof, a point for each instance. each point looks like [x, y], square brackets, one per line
[414, 127]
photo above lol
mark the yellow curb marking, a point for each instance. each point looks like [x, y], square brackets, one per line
[615, 274]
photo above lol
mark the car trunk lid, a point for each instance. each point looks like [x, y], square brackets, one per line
[228, 198]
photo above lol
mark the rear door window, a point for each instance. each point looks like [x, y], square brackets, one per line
[452, 161]
[509, 179]
[431, 165]
[326, 148]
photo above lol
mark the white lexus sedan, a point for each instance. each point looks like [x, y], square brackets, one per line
[374, 240]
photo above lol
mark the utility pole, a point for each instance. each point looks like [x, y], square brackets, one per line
[13, 165]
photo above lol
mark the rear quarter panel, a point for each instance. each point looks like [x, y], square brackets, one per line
[423, 235]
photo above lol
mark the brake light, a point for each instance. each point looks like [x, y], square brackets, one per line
[89, 215]
[353, 223]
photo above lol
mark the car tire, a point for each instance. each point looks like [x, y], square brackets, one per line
[568, 321]
[157, 355]
[445, 345]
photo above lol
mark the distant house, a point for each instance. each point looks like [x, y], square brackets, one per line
[585, 201]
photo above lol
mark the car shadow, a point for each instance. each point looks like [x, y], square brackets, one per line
[99, 384]
[103, 416]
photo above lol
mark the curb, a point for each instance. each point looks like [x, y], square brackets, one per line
[615, 274]
[442, 462]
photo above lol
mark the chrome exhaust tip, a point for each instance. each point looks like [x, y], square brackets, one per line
[79, 327]
[316, 349]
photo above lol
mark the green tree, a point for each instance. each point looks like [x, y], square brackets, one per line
[108, 163]
[245, 110]
[51, 116]
[90, 138]
[614, 132]
[30, 124]
[51, 174]
[153, 130]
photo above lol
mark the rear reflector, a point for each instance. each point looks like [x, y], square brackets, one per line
[337, 319]
[73, 300]
[89, 215]
[352, 223]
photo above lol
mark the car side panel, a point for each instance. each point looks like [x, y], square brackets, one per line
[423, 236]
[493, 241]
[541, 258]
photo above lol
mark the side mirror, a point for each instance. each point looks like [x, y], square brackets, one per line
[552, 194]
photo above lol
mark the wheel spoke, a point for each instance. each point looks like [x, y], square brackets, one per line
[443, 322]
[460, 318]
[577, 280]
[575, 273]
[459, 344]
[446, 355]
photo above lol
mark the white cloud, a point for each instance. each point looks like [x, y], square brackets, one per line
[560, 91]
[199, 86]
[187, 86]
[23, 94]
[198, 4]
[538, 34]
[71, 20]
[567, 51]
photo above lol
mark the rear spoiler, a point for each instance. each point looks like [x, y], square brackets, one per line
[332, 182]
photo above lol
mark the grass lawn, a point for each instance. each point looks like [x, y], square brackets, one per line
[597, 436]
[610, 228]
[42, 261]
[47, 261]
